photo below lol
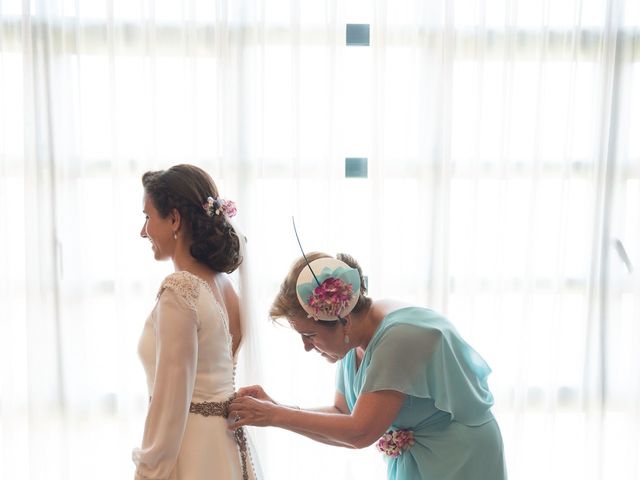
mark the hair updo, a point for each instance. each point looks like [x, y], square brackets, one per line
[185, 188]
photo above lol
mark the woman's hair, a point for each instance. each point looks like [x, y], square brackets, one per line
[186, 188]
[286, 303]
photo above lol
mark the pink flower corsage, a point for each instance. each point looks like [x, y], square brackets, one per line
[395, 442]
[331, 296]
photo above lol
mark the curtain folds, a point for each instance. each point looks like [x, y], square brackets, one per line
[502, 187]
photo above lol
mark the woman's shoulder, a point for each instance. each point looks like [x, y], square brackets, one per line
[183, 284]
[418, 317]
[411, 324]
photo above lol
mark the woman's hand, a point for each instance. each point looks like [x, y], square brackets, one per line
[248, 410]
[255, 391]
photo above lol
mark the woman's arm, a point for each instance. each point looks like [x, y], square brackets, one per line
[339, 407]
[176, 357]
[256, 391]
[371, 417]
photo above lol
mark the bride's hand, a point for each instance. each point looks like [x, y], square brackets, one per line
[248, 410]
[255, 391]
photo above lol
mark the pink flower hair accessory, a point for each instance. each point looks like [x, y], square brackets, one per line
[395, 442]
[331, 297]
[220, 206]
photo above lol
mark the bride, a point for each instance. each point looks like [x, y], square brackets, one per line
[191, 338]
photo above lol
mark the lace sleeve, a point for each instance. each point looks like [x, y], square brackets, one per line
[176, 358]
[185, 285]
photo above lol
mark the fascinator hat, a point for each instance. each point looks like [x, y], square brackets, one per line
[327, 288]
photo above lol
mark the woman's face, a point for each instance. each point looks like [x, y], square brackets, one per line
[157, 230]
[327, 341]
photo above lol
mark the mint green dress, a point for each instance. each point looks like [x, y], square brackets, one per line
[418, 352]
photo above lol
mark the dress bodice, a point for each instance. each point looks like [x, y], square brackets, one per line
[214, 369]
[447, 406]
[186, 352]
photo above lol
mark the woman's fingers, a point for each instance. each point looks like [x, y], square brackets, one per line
[250, 390]
[240, 406]
[235, 419]
[238, 414]
[239, 422]
[255, 391]
[248, 411]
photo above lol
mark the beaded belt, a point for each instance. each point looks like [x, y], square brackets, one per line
[221, 409]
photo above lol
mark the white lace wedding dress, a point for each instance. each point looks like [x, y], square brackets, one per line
[186, 352]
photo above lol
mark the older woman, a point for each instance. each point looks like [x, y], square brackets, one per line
[406, 380]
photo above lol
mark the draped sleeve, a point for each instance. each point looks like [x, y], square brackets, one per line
[176, 339]
[424, 356]
[340, 387]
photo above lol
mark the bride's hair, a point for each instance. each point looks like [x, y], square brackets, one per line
[286, 303]
[186, 189]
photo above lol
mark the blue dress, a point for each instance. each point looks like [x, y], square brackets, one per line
[418, 352]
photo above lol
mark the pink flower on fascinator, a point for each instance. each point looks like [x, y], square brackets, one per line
[331, 296]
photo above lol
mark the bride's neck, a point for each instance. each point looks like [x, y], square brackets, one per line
[183, 261]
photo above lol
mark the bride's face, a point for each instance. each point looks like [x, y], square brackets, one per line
[157, 230]
[328, 341]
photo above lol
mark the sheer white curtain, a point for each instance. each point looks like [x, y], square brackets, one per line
[503, 189]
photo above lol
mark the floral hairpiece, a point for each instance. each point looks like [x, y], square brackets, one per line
[220, 206]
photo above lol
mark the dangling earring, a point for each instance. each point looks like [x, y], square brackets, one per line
[346, 339]
[175, 235]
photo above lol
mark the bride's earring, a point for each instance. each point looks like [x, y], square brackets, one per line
[346, 339]
[175, 235]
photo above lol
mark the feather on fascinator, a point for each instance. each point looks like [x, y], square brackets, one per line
[327, 288]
